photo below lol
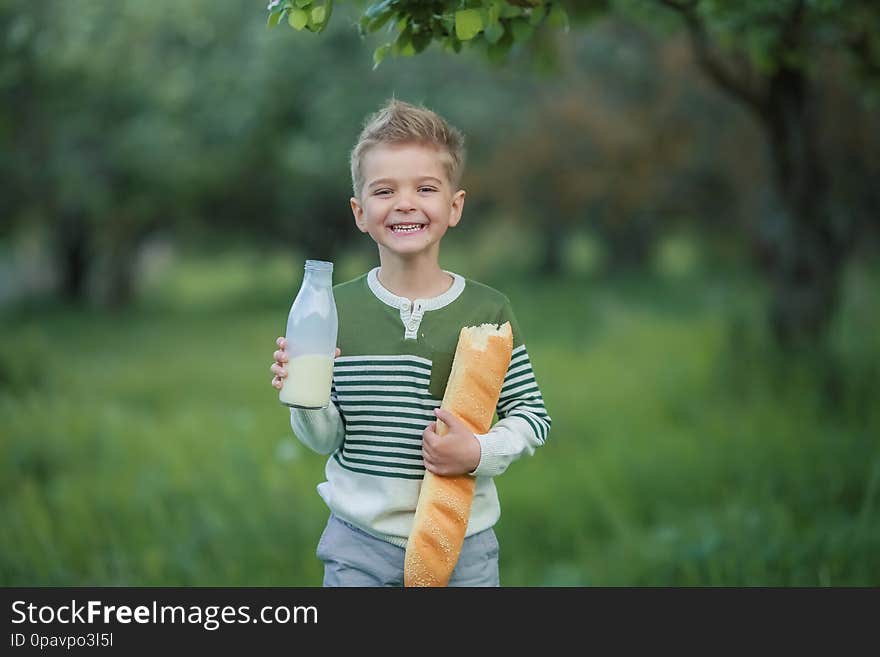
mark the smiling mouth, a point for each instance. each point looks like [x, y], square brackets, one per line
[407, 229]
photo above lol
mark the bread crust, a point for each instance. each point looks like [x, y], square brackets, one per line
[444, 505]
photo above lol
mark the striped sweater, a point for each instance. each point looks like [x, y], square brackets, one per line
[395, 362]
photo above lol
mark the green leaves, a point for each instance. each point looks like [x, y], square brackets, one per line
[537, 15]
[377, 9]
[497, 51]
[522, 30]
[375, 17]
[298, 18]
[558, 18]
[379, 54]
[494, 12]
[493, 32]
[301, 14]
[468, 24]
[493, 24]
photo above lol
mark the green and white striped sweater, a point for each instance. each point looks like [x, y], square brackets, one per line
[395, 362]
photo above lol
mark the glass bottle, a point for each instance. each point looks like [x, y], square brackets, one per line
[312, 327]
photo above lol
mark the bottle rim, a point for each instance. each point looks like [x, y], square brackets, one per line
[319, 265]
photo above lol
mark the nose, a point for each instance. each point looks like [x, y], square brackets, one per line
[404, 202]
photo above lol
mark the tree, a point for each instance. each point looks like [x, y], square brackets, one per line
[764, 54]
[768, 65]
[606, 147]
[121, 120]
[93, 139]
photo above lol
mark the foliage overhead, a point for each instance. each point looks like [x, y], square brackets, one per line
[766, 35]
[494, 25]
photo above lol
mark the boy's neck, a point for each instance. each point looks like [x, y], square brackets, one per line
[414, 279]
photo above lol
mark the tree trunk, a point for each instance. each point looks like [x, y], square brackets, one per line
[122, 244]
[119, 288]
[803, 250]
[629, 241]
[551, 255]
[72, 255]
[805, 254]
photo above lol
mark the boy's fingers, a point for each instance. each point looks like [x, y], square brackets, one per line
[451, 419]
[429, 435]
[280, 356]
[276, 382]
[281, 342]
[278, 370]
[338, 351]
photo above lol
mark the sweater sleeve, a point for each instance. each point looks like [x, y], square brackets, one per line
[321, 430]
[523, 422]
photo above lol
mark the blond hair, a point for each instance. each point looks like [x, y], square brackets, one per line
[399, 122]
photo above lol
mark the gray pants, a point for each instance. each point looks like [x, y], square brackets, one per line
[352, 557]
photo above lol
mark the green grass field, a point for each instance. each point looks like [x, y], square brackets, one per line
[147, 448]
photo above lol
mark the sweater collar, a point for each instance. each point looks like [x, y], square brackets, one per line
[434, 303]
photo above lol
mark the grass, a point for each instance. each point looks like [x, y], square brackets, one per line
[146, 447]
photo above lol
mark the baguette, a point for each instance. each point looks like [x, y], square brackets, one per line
[443, 509]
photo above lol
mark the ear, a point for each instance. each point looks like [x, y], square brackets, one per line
[358, 213]
[457, 207]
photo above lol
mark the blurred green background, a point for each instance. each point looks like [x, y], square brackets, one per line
[704, 328]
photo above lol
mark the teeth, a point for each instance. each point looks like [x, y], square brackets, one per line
[406, 228]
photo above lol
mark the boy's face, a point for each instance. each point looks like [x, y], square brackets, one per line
[407, 203]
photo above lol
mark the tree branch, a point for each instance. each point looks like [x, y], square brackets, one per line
[740, 87]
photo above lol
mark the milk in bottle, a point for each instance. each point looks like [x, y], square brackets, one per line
[311, 339]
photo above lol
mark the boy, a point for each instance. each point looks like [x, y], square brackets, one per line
[398, 330]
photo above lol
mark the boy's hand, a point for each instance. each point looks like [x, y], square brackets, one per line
[456, 453]
[279, 367]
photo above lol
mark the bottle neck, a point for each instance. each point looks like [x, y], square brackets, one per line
[323, 278]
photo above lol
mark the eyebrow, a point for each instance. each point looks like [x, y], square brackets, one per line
[391, 180]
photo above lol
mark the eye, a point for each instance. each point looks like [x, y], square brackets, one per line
[382, 191]
[427, 189]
